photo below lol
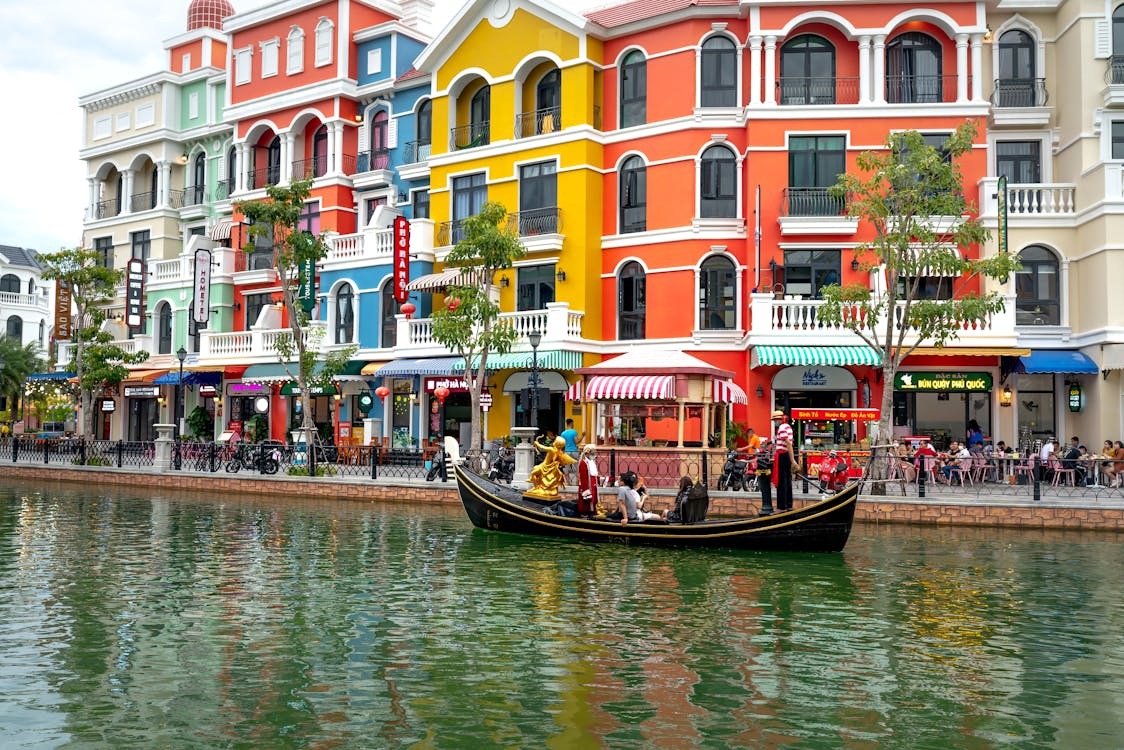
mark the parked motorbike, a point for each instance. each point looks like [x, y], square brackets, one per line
[734, 472]
[833, 472]
[503, 466]
[264, 460]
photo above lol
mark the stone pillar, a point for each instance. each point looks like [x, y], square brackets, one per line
[755, 70]
[524, 456]
[864, 69]
[335, 147]
[962, 68]
[126, 197]
[286, 159]
[92, 210]
[880, 69]
[770, 70]
[977, 67]
[162, 463]
[240, 165]
[164, 185]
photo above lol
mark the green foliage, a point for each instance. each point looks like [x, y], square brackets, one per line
[322, 470]
[200, 424]
[256, 428]
[16, 363]
[95, 461]
[735, 433]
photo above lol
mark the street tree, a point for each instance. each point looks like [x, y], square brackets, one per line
[16, 363]
[911, 194]
[470, 323]
[296, 251]
[99, 364]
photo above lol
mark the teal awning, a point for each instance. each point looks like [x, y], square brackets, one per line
[763, 356]
[551, 359]
[275, 372]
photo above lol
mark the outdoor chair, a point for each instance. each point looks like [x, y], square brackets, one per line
[1060, 471]
[963, 470]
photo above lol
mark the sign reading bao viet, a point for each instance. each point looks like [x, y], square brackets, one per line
[825, 415]
[62, 310]
[401, 258]
[942, 381]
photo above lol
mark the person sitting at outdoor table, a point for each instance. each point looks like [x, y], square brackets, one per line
[957, 453]
[924, 456]
[1085, 464]
[904, 462]
[1118, 463]
[1001, 449]
[1069, 460]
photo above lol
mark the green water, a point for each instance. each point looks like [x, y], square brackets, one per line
[163, 620]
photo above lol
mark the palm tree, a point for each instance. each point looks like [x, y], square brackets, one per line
[16, 363]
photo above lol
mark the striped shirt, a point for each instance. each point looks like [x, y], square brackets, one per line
[784, 437]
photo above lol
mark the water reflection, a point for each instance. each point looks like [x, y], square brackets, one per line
[172, 621]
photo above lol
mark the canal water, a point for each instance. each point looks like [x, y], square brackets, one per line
[166, 620]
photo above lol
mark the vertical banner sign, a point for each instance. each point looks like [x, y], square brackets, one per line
[1001, 195]
[201, 301]
[306, 289]
[134, 295]
[401, 258]
[62, 311]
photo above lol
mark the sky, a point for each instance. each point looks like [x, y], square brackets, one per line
[51, 53]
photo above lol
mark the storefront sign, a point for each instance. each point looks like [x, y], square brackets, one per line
[108, 405]
[485, 401]
[942, 381]
[201, 301]
[453, 384]
[827, 415]
[142, 391]
[248, 388]
[401, 258]
[134, 295]
[1075, 396]
[208, 390]
[365, 402]
[306, 285]
[62, 311]
[814, 378]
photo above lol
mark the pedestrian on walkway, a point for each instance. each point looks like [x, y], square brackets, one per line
[782, 460]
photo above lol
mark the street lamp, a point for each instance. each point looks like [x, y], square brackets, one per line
[181, 355]
[534, 338]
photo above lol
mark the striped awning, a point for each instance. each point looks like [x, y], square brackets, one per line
[574, 392]
[221, 230]
[728, 392]
[548, 360]
[430, 366]
[440, 281]
[764, 356]
[626, 387]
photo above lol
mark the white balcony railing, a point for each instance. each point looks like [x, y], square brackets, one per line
[251, 346]
[377, 245]
[67, 349]
[797, 321]
[1028, 200]
[557, 324]
[11, 300]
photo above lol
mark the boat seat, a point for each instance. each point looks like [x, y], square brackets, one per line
[694, 509]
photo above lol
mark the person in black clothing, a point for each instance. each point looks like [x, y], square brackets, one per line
[763, 470]
[1070, 460]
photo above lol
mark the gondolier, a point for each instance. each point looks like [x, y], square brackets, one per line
[782, 461]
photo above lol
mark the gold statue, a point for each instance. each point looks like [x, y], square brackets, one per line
[547, 478]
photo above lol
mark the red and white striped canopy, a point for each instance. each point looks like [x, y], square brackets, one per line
[728, 392]
[574, 392]
[631, 387]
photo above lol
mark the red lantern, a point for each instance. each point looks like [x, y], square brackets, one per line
[382, 391]
[409, 309]
[441, 392]
[453, 304]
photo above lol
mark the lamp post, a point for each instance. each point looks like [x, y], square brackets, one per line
[181, 355]
[534, 338]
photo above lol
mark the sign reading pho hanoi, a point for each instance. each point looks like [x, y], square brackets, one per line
[942, 381]
[401, 258]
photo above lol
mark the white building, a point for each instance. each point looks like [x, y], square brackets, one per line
[25, 311]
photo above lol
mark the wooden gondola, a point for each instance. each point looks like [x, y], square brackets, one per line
[820, 527]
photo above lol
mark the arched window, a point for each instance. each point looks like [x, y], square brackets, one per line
[631, 305]
[634, 89]
[548, 103]
[1015, 85]
[913, 69]
[718, 79]
[14, 328]
[31, 286]
[9, 282]
[294, 52]
[808, 71]
[634, 195]
[425, 122]
[320, 151]
[323, 42]
[718, 190]
[389, 308]
[231, 170]
[479, 116]
[164, 329]
[1036, 288]
[345, 315]
[1117, 61]
[717, 294]
[198, 179]
[272, 162]
[380, 128]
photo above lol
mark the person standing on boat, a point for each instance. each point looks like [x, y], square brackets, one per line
[587, 481]
[782, 461]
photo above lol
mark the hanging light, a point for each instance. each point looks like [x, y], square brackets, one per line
[382, 391]
[409, 309]
[441, 392]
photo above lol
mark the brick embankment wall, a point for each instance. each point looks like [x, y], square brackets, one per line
[1001, 512]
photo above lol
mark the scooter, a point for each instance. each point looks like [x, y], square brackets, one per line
[503, 467]
[833, 472]
[734, 472]
[255, 458]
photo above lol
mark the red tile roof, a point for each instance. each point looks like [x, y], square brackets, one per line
[639, 10]
[412, 73]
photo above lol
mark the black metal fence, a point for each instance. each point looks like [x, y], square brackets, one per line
[77, 452]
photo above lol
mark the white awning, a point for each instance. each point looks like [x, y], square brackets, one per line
[1112, 357]
[631, 387]
[439, 282]
[728, 392]
[220, 231]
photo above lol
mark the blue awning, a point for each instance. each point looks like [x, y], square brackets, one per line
[189, 378]
[50, 376]
[1053, 360]
[430, 366]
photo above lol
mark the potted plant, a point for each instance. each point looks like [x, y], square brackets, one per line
[200, 424]
[257, 429]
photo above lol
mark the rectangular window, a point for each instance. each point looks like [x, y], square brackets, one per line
[370, 205]
[103, 247]
[185, 62]
[103, 127]
[536, 287]
[809, 271]
[1019, 161]
[814, 165]
[261, 257]
[122, 122]
[310, 218]
[253, 304]
[928, 287]
[420, 202]
[269, 51]
[469, 195]
[374, 61]
[323, 43]
[193, 105]
[1118, 140]
[243, 58]
[141, 243]
[538, 198]
[146, 115]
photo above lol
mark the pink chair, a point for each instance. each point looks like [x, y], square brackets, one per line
[962, 470]
[1060, 471]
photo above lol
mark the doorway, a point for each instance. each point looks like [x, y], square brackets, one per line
[143, 414]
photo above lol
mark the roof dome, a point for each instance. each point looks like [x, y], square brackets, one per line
[208, 13]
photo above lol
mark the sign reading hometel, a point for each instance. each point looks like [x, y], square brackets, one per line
[134, 295]
[401, 258]
[942, 381]
[824, 415]
[201, 302]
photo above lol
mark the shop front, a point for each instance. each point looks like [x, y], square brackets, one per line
[942, 405]
[142, 411]
[248, 409]
[1047, 390]
[550, 399]
[449, 416]
[820, 387]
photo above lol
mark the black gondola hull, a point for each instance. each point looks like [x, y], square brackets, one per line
[820, 527]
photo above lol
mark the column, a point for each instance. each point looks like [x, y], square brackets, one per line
[962, 68]
[164, 185]
[240, 165]
[880, 69]
[92, 210]
[126, 197]
[977, 67]
[864, 69]
[755, 70]
[335, 146]
[770, 70]
[286, 158]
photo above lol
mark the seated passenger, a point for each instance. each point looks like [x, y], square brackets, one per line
[629, 501]
[675, 515]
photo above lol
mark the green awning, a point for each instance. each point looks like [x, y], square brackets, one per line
[764, 356]
[290, 389]
[551, 359]
[275, 372]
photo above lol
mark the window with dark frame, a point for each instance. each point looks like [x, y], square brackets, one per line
[807, 71]
[470, 193]
[103, 249]
[261, 257]
[718, 79]
[633, 195]
[1037, 301]
[1118, 139]
[9, 282]
[419, 204]
[914, 69]
[388, 309]
[717, 294]
[538, 198]
[141, 244]
[164, 329]
[634, 89]
[320, 152]
[814, 165]
[807, 272]
[631, 302]
[718, 191]
[252, 305]
[1019, 161]
[1015, 85]
[14, 328]
[535, 287]
[345, 315]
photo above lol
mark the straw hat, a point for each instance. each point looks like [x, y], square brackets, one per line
[778, 414]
